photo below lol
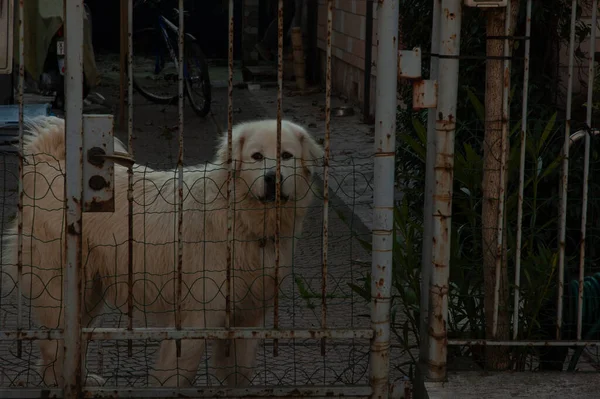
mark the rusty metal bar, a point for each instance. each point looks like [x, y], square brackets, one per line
[522, 171]
[278, 170]
[445, 128]
[230, 166]
[104, 334]
[217, 392]
[130, 172]
[586, 166]
[383, 195]
[504, 144]
[326, 172]
[21, 86]
[124, 13]
[565, 175]
[491, 342]
[74, 195]
[426, 254]
[180, 178]
[224, 392]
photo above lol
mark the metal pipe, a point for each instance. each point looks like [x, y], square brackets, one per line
[368, 61]
[74, 195]
[586, 167]
[196, 392]
[504, 144]
[278, 170]
[491, 342]
[445, 127]
[21, 86]
[426, 254]
[565, 175]
[159, 333]
[130, 171]
[232, 392]
[522, 171]
[383, 195]
[326, 144]
[180, 176]
[230, 166]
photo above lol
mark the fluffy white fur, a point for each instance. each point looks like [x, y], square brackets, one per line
[105, 244]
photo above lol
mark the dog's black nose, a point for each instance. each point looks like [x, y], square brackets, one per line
[270, 178]
[270, 185]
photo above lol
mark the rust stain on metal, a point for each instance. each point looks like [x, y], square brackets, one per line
[230, 166]
[280, 34]
[325, 232]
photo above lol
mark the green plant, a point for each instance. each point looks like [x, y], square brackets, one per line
[405, 314]
[539, 251]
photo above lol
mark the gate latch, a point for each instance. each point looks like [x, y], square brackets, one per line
[98, 164]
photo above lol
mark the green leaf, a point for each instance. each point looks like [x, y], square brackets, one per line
[547, 130]
[479, 109]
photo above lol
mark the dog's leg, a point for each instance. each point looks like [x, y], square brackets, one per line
[171, 370]
[52, 352]
[237, 368]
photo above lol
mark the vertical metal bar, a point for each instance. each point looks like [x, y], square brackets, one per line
[445, 127]
[74, 194]
[124, 10]
[586, 165]
[368, 61]
[129, 171]
[21, 86]
[383, 196]
[228, 304]
[426, 255]
[180, 177]
[522, 171]
[501, 191]
[278, 171]
[326, 172]
[565, 175]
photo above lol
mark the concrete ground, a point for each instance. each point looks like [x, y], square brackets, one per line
[299, 363]
[477, 385]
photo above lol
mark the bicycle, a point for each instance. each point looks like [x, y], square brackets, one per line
[156, 80]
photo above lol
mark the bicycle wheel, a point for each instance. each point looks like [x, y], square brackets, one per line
[155, 73]
[197, 79]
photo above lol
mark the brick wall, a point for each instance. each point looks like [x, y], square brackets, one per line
[348, 47]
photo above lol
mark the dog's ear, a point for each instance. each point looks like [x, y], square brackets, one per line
[238, 137]
[312, 152]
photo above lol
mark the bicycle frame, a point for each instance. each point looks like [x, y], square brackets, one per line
[163, 25]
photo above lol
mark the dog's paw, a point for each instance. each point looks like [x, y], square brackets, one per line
[94, 380]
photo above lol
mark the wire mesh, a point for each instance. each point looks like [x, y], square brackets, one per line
[191, 255]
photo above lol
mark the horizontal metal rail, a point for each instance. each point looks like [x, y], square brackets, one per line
[489, 342]
[216, 392]
[105, 334]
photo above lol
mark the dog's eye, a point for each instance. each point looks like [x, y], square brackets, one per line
[286, 155]
[257, 156]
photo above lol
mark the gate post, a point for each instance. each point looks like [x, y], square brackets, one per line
[426, 265]
[445, 127]
[383, 194]
[73, 22]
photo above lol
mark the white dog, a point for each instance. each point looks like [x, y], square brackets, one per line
[105, 243]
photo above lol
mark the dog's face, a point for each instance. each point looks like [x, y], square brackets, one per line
[254, 152]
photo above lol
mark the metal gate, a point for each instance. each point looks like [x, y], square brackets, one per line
[90, 197]
[573, 322]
